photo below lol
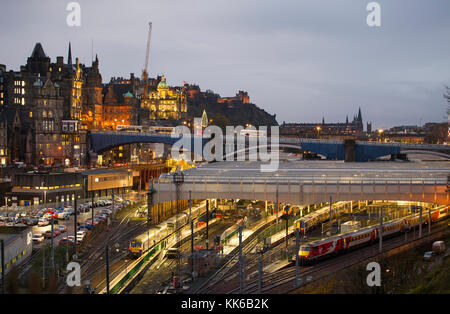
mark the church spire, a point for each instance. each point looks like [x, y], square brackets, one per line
[359, 115]
[69, 57]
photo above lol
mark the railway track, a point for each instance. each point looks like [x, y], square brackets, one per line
[229, 266]
[118, 235]
[91, 263]
[25, 266]
[271, 283]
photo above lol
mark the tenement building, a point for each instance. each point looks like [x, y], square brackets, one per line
[43, 108]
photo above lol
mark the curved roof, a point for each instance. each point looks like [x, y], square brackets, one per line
[163, 84]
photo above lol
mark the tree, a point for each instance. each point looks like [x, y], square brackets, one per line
[221, 121]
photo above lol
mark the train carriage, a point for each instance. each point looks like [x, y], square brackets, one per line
[359, 238]
[327, 247]
[393, 227]
[143, 242]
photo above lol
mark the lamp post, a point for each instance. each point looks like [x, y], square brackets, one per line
[45, 192]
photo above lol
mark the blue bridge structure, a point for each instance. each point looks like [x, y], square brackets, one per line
[347, 150]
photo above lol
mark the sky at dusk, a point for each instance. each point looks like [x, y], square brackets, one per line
[299, 59]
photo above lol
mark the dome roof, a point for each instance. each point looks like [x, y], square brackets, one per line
[163, 84]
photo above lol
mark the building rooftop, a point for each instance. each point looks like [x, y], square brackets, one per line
[103, 171]
[321, 169]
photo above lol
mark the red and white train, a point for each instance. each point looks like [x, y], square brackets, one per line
[342, 243]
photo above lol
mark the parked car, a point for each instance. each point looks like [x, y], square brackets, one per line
[81, 235]
[101, 217]
[85, 226]
[55, 221]
[106, 211]
[66, 240]
[428, 256]
[62, 228]
[48, 234]
[32, 221]
[64, 216]
[38, 238]
[89, 221]
[69, 211]
[43, 222]
[22, 221]
[72, 238]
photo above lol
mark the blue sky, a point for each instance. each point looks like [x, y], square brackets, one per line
[299, 59]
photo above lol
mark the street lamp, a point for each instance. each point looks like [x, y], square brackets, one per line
[45, 192]
[318, 131]
[380, 133]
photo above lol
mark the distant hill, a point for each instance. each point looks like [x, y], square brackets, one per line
[233, 112]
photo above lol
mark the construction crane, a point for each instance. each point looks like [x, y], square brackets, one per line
[144, 71]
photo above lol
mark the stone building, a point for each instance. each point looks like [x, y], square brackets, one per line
[165, 103]
[43, 108]
[92, 99]
[339, 130]
[119, 105]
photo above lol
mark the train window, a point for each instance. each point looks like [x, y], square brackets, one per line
[135, 244]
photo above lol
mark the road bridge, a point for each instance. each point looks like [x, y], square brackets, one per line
[348, 150]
